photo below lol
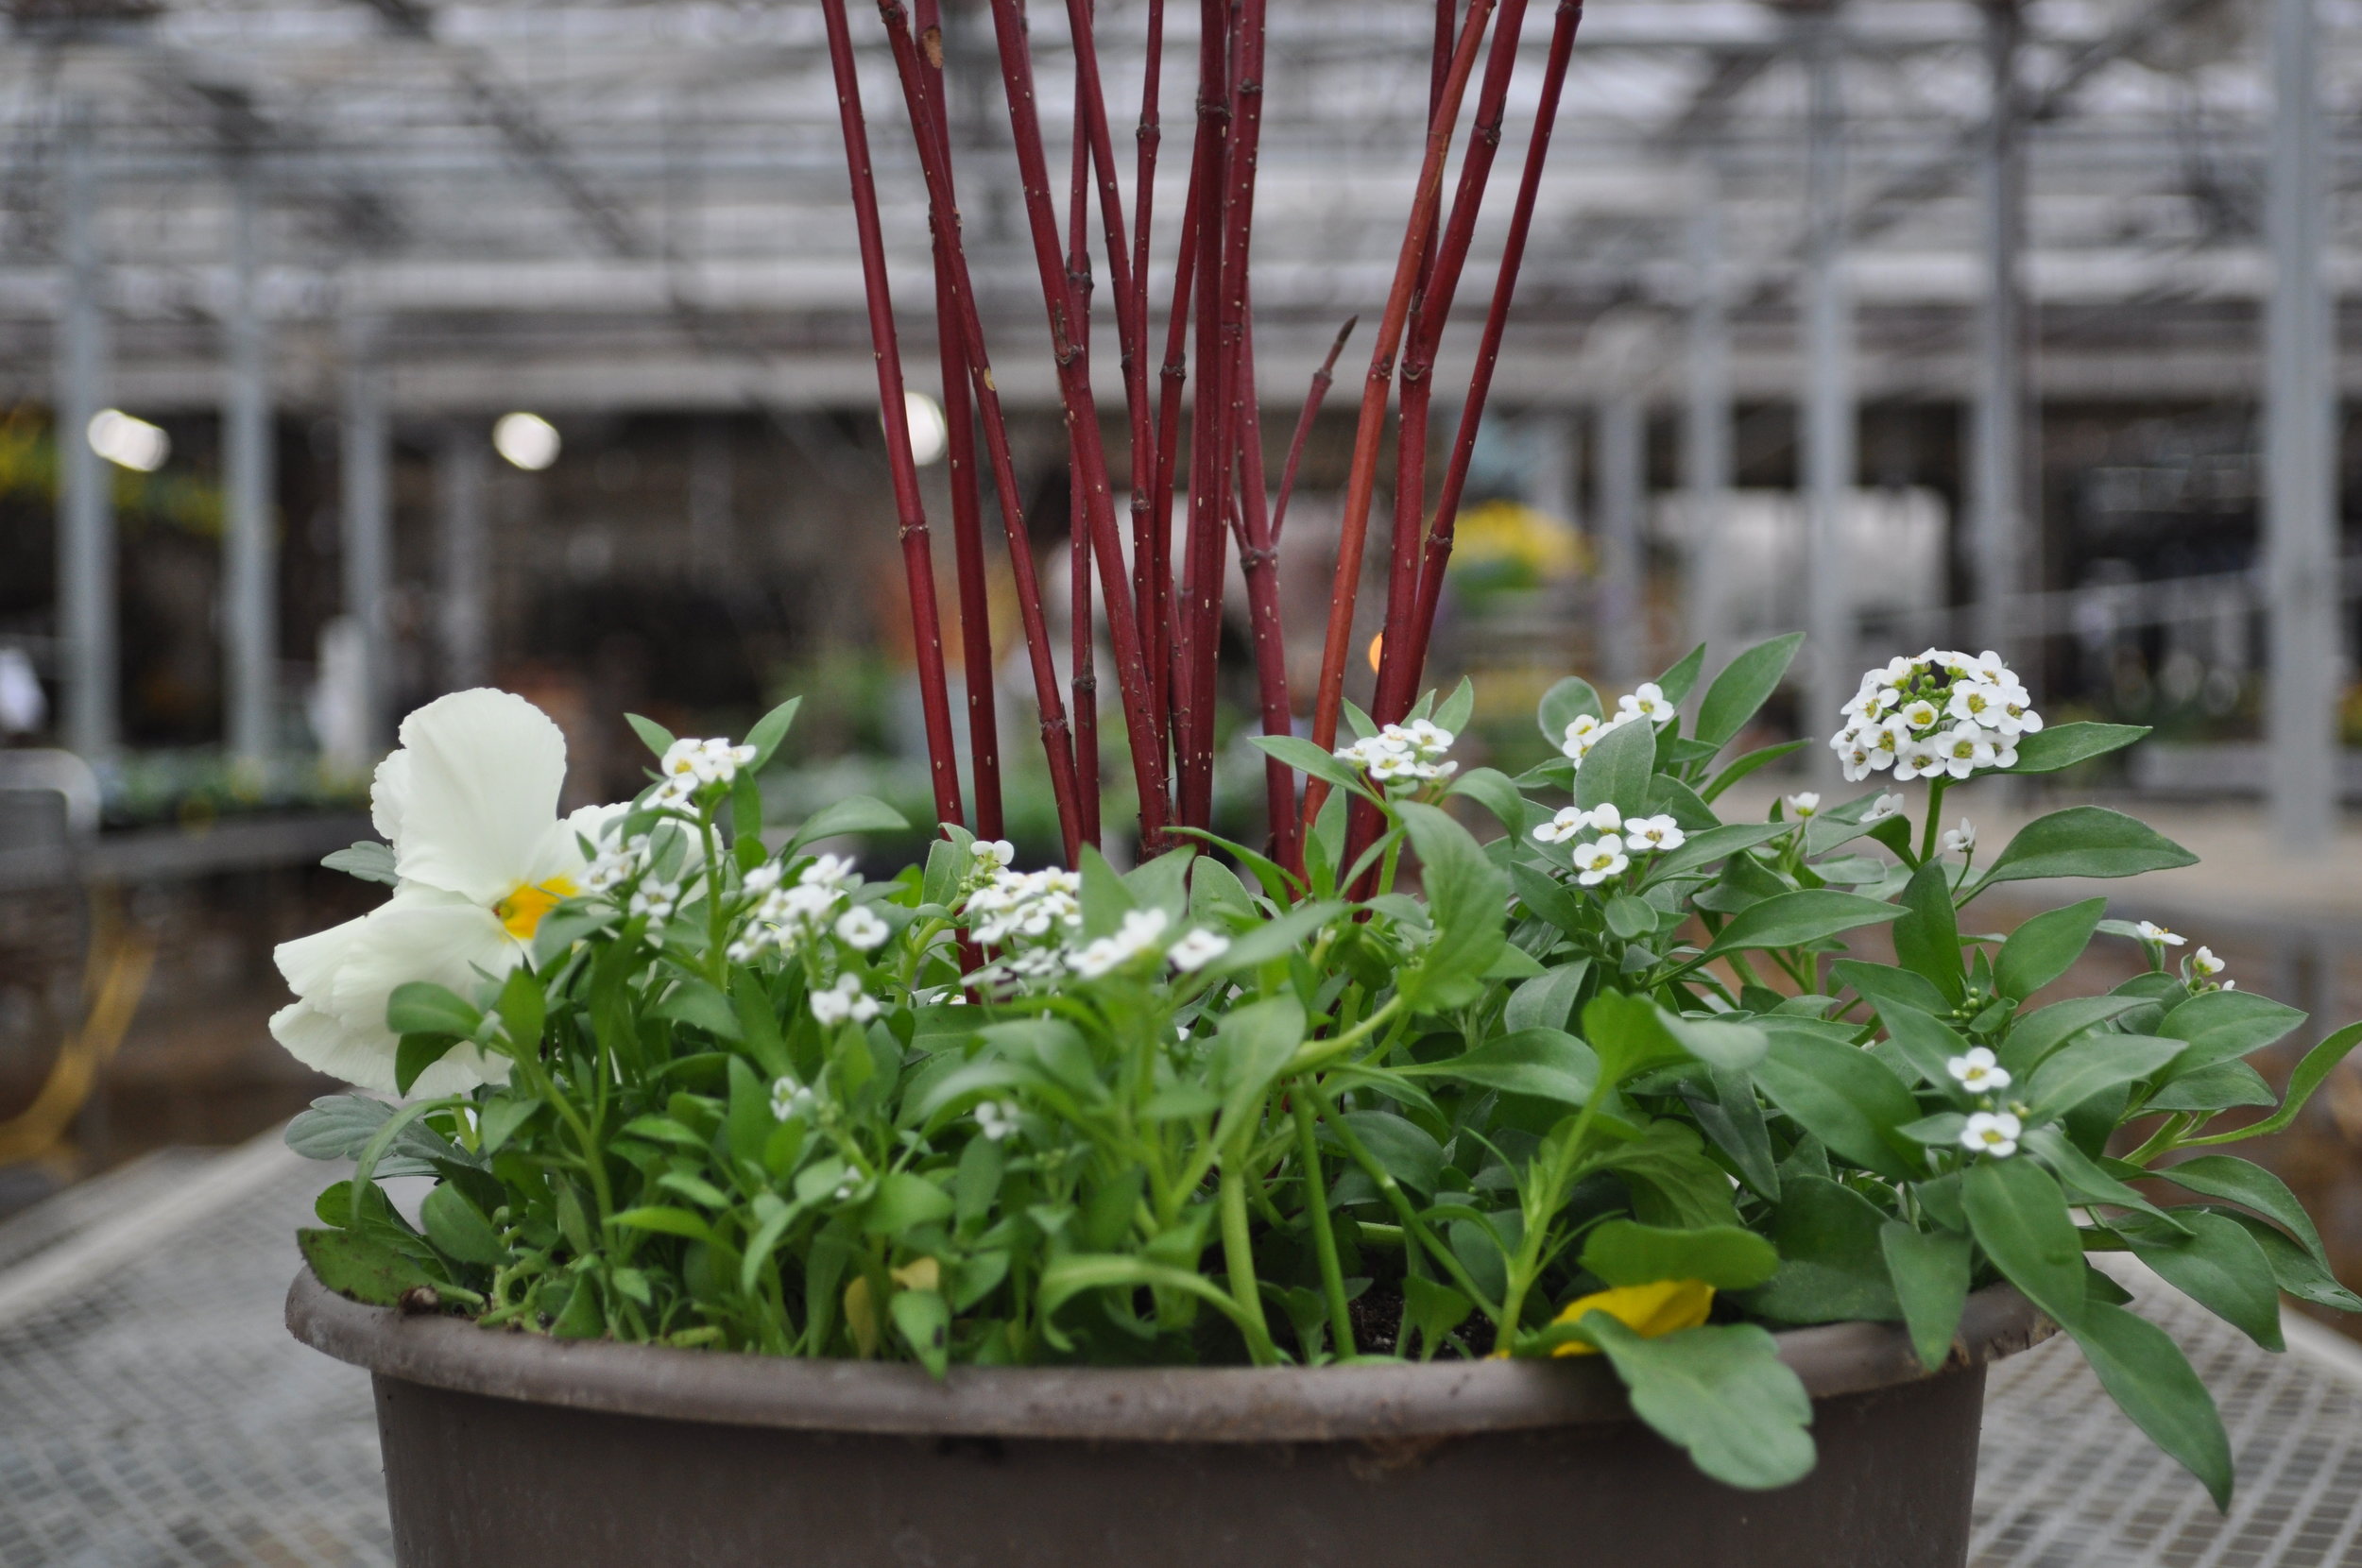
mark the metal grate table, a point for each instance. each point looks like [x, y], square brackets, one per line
[153, 1412]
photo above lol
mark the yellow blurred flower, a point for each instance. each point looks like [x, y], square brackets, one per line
[1649, 1310]
[1509, 544]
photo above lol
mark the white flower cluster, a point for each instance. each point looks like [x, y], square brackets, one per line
[790, 1098]
[846, 1000]
[1942, 713]
[996, 1119]
[632, 863]
[1012, 904]
[1646, 702]
[1989, 1132]
[1620, 838]
[786, 918]
[689, 765]
[987, 858]
[1412, 753]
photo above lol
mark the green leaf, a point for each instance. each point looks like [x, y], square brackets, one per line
[1549, 1000]
[458, 1228]
[2221, 1026]
[696, 1002]
[1671, 1179]
[2019, 1217]
[1401, 1148]
[1793, 919]
[522, 1009]
[1453, 712]
[1563, 704]
[2317, 1064]
[1491, 789]
[1069, 1276]
[2237, 1181]
[2216, 1263]
[1617, 769]
[1275, 939]
[1434, 1309]
[1623, 1252]
[904, 1200]
[769, 731]
[2084, 1181]
[1467, 898]
[1743, 688]
[652, 735]
[1630, 918]
[1928, 1044]
[924, 1320]
[1882, 983]
[367, 860]
[2036, 1035]
[2221, 1088]
[1546, 1063]
[1714, 844]
[1735, 1121]
[1845, 1096]
[1254, 1045]
[421, 1007]
[415, 1054]
[2145, 1372]
[2075, 1073]
[360, 1267]
[853, 814]
[1307, 758]
[1831, 1266]
[2084, 840]
[1748, 764]
[2046, 947]
[2063, 745]
[1676, 682]
[2294, 1270]
[1721, 1393]
[664, 1220]
[1929, 1270]
[1927, 936]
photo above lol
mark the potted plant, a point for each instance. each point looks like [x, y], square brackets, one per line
[1378, 1194]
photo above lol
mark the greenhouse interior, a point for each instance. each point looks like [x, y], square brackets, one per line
[619, 355]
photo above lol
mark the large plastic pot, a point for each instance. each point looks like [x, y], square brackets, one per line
[517, 1451]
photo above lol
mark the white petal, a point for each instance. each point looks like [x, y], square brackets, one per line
[419, 934]
[559, 854]
[389, 792]
[309, 963]
[482, 781]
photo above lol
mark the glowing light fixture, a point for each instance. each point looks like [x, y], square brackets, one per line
[528, 440]
[928, 433]
[1377, 649]
[128, 442]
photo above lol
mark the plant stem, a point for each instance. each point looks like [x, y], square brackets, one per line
[1396, 1199]
[917, 564]
[1323, 1232]
[1936, 786]
[1238, 1252]
[1321, 379]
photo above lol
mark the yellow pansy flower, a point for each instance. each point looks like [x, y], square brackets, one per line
[1649, 1310]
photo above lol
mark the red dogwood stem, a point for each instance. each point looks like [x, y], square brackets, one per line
[1199, 613]
[917, 562]
[1313, 400]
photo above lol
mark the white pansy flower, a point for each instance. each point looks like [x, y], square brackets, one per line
[1647, 702]
[1653, 835]
[1803, 805]
[1960, 840]
[1978, 1072]
[1568, 822]
[1197, 949]
[1140, 932]
[1994, 1133]
[2151, 931]
[861, 927]
[1885, 806]
[845, 999]
[470, 806]
[1595, 861]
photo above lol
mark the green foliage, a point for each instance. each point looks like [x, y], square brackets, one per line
[1184, 1114]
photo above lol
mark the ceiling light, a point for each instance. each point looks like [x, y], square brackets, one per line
[528, 440]
[128, 442]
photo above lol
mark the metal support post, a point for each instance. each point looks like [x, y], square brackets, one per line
[1996, 488]
[1621, 478]
[367, 522]
[463, 587]
[2300, 451]
[1706, 461]
[713, 485]
[86, 518]
[1829, 435]
[250, 546]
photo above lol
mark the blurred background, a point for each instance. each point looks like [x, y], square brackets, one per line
[353, 351]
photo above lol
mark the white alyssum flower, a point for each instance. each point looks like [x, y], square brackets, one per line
[1994, 1133]
[1960, 840]
[1978, 1072]
[787, 919]
[1567, 822]
[987, 858]
[689, 765]
[1141, 931]
[1646, 702]
[861, 927]
[1025, 904]
[790, 1098]
[1410, 753]
[1196, 949]
[470, 806]
[1889, 805]
[1603, 857]
[1803, 805]
[1645, 705]
[2204, 964]
[996, 1119]
[2151, 931]
[1940, 714]
[1653, 835]
[845, 999]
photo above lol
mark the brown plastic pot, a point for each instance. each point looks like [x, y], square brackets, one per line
[517, 1451]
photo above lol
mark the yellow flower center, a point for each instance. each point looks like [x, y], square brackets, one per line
[520, 912]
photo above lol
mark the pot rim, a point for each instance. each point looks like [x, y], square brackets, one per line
[1100, 1403]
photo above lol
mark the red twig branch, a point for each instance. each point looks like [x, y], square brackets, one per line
[1313, 400]
[917, 564]
[1081, 625]
[1199, 614]
[1361, 481]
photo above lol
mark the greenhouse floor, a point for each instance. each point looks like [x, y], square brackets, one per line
[153, 1410]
